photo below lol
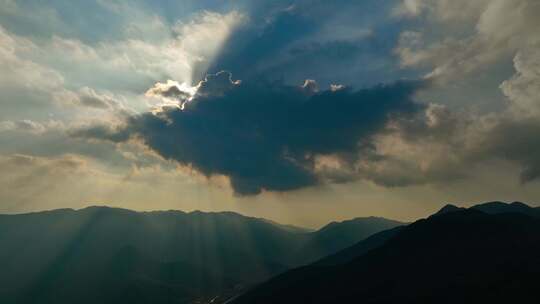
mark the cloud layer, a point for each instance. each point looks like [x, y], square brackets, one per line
[265, 136]
[128, 72]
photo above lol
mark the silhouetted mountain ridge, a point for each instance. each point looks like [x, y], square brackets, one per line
[461, 256]
[448, 208]
[502, 207]
[495, 207]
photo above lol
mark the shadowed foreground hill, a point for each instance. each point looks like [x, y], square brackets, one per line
[377, 239]
[462, 256]
[107, 255]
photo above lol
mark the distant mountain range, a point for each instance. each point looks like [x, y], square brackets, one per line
[340, 235]
[488, 253]
[484, 254]
[109, 255]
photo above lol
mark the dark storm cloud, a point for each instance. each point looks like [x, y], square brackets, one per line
[265, 135]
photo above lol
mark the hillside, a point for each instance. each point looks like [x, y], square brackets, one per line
[101, 254]
[464, 256]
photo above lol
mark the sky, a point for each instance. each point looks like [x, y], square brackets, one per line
[299, 111]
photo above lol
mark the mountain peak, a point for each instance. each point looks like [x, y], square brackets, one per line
[447, 209]
[520, 205]
[502, 207]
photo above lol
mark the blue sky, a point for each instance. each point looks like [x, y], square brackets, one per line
[326, 109]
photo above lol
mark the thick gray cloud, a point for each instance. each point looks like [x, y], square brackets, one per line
[266, 136]
[462, 43]
[441, 146]
[517, 141]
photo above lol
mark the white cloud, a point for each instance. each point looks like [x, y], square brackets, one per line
[203, 37]
[499, 28]
[22, 125]
[186, 48]
[30, 126]
[171, 93]
[444, 10]
[18, 71]
[46, 74]
[88, 97]
[499, 31]
[523, 89]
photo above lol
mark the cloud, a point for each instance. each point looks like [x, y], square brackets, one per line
[265, 136]
[20, 171]
[22, 125]
[439, 145]
[204, 37]
[499, 28]
[33, 182]
[445, 10]
[182, 53]
[514, 133]
[517, 141]
[425, 148]
[292, 41]
[33, 89]
[16, 71]
[470, 37]
[31, 127]
[523, 89]
[90, 98]
[66, 162]
[252, 45]
[171, 93]
[98, 74]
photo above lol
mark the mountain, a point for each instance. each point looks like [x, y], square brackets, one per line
[109, 255]
[496, 208]
[380, 238]
[501, 207]
[447, 209]
[465, 256]
[64, 254]
[339, 235]
[358, 249]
